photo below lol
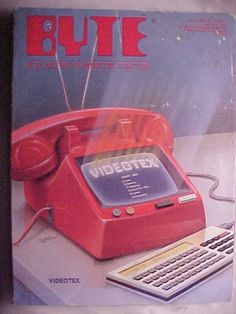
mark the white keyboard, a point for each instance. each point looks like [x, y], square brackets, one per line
[173, 270]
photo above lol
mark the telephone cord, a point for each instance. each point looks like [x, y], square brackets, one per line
[31, 223]
[226, 225]
[213, 187]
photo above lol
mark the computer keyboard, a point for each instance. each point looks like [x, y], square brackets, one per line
[173, 270]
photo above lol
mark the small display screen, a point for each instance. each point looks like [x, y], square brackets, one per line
[157, 259]
[128, 179]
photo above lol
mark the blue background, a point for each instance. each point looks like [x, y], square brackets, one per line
[189, 80]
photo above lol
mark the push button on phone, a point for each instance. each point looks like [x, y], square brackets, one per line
[116, 212]
[187, 198]
[130, 210]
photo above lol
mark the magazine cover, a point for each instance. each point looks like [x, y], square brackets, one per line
[123, 148]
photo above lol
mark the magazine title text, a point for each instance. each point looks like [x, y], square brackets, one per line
[44, 33]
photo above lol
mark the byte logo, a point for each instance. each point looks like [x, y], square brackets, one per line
[61, 31]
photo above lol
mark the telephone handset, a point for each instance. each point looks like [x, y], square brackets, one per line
[110, 177]
[36, 146]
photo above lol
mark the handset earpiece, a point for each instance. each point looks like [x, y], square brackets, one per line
[32, 158]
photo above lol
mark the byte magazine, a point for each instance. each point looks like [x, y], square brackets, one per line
[123, 157]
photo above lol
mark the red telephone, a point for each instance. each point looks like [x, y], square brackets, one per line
[110, 178]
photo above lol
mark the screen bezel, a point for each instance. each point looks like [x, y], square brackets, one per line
[179, 181]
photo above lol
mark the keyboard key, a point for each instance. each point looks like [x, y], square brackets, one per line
[193, 257]
[159, 267]
[157, 284]
[214, 246]
[218, 258]
[138, 277]
[225, 240]
[190, 266]
[174, 267]
[186, 276]
[202, 260]
[148, 280]
[167, 287]
[196, 263]
[180, 279]
[172, 276]
[174, 283]
[178, 273]
[227, 246]
[190, 251]
[199, 254]
[162, 273]
[193, 272]
[201, 267]
[223, 234]
[164, 280]
[208, 256]
[152, 270]
[209, 241]
[212, 254]
[178, 257]
[155, 277]
[166, 263]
